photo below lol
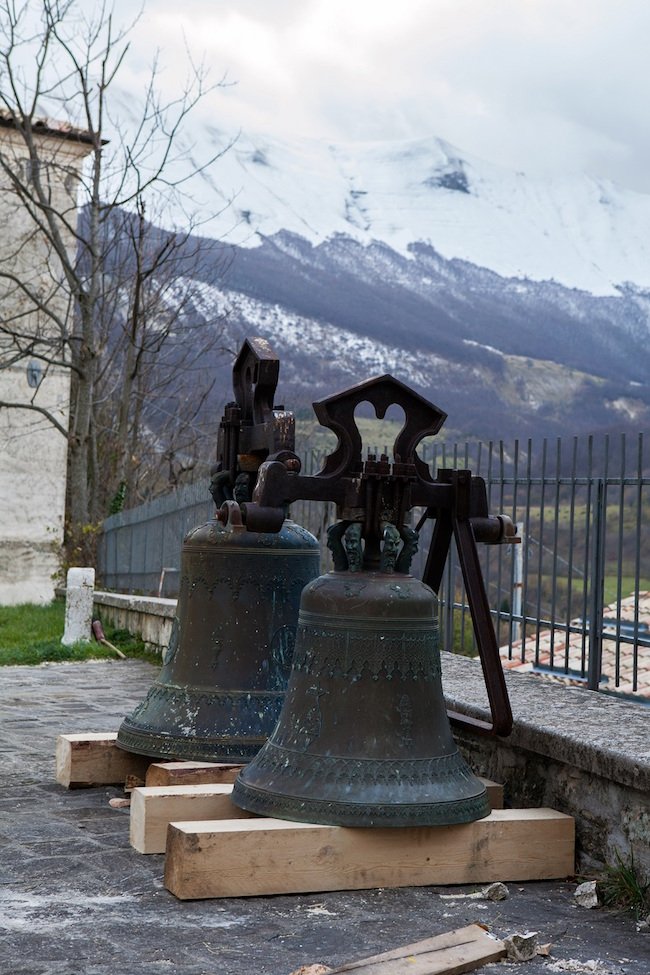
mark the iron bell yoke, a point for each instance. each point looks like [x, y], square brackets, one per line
[363, 737]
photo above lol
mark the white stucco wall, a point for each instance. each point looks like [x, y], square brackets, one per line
[32, 452]
[32, 487]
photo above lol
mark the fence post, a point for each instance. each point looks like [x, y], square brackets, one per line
[517, 588]
[79, 595]
[596, 594]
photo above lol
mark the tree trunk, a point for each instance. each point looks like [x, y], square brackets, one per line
[80, 444]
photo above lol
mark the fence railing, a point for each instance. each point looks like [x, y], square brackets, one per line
[139, 549]
[572, 599]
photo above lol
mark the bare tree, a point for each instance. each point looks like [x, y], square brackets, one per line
[158, 342]
[111, 292]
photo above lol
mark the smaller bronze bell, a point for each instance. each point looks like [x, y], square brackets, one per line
[222, 683]
[224, 673]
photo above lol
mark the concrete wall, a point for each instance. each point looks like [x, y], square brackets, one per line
[32, 452]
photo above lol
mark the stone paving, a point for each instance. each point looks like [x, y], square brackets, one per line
[75, 899]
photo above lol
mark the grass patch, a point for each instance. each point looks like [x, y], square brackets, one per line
[623, 888]
[463, 639]
[31, 634]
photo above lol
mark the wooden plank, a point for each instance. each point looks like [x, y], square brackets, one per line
[494, 793]
[154, 807]
[94, 759]
[243, 858]
[191, 773]
[452, 953]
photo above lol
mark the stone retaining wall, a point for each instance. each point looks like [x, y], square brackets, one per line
[581, 752]
[578, 751]
[148, 616]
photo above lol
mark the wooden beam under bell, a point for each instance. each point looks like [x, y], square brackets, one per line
[152, 809]
[94, 759]
[191, 773]
[249, 857]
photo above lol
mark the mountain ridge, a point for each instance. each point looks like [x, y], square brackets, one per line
[353, 267]
[339, 312]
[578, 230]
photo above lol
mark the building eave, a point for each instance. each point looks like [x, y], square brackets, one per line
[50, 127]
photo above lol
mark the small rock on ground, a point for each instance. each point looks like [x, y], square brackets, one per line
[521, 947]
[586, 895]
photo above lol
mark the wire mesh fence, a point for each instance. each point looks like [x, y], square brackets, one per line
[572, 599]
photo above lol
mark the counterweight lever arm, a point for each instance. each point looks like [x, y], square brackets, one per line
[464, 521]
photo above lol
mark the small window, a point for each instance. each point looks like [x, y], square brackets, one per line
[34, 374]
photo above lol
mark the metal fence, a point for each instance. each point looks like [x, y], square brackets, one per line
[571, 600]
[140, 549]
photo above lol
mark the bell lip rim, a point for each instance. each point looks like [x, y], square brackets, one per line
[399, 819]
[218, 758]
[199, 749]
[211, 689]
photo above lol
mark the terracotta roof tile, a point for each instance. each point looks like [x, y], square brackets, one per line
[552, 652]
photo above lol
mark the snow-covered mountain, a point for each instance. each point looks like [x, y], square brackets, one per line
[519, 306]
[578, 231]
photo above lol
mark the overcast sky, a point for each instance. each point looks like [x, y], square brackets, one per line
[540, 85]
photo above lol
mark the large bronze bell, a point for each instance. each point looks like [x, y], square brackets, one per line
[224, 674]
[363, 738]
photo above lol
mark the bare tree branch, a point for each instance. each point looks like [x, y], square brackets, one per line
[109, 297]
[37, 409]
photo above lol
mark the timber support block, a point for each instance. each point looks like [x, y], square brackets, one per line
[91, 759]
[94, 759]
[249, 857]
[191, 773]
[154, 807]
